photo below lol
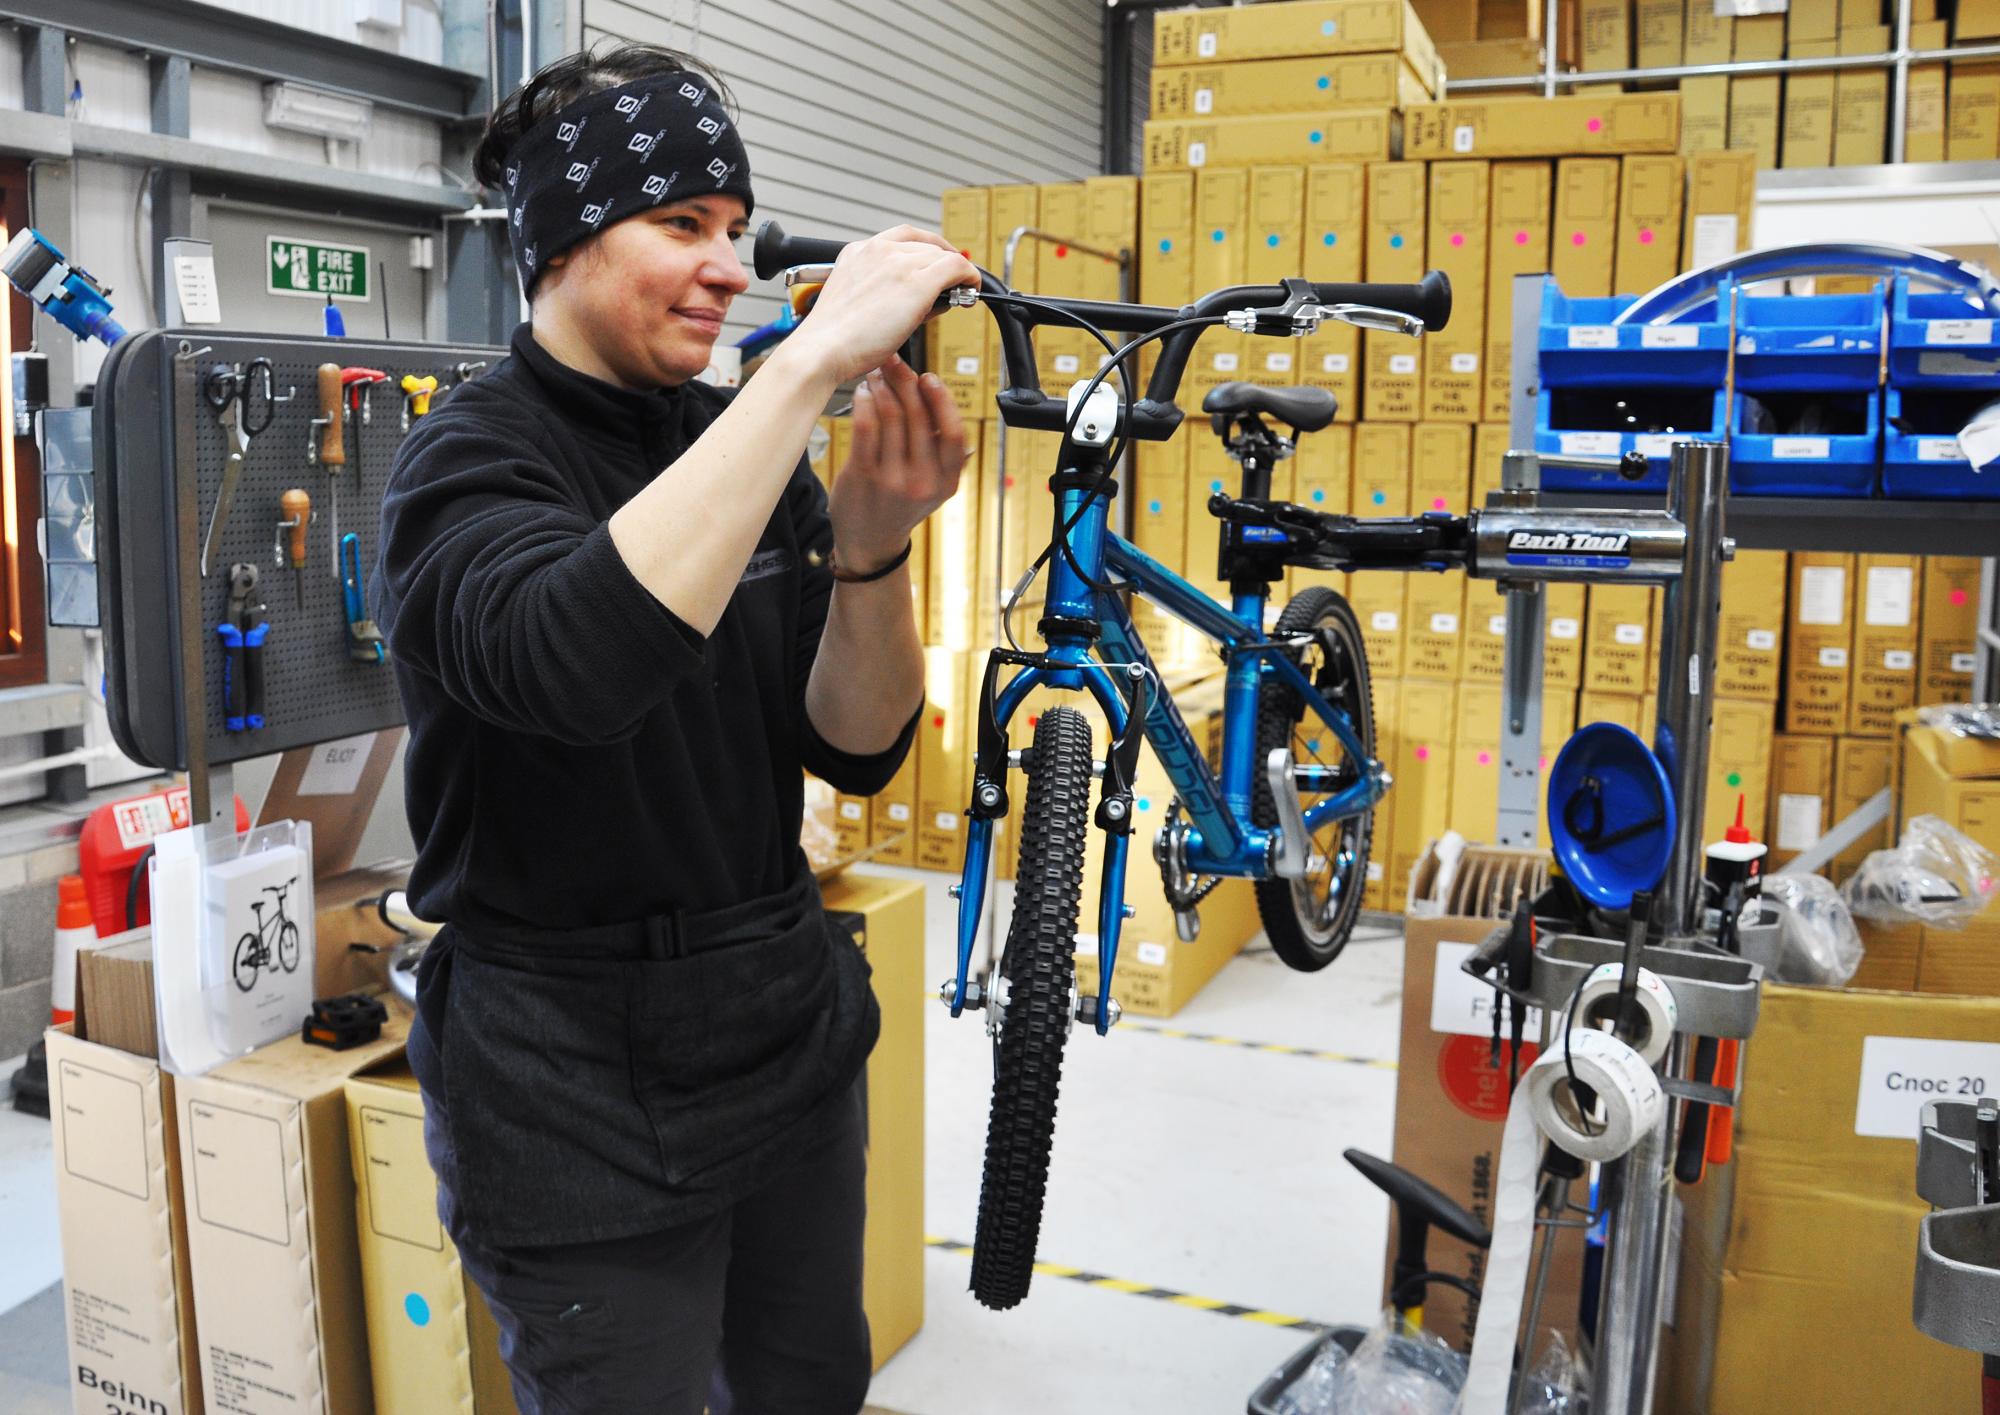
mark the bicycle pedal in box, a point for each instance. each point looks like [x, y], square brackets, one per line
[338, 1023]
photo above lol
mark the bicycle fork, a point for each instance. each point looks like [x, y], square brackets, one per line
[1060, 670]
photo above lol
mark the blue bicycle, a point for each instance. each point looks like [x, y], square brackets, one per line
[1298, 716]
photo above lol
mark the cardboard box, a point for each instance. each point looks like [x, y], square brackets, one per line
[1564, 615]
[1392, 385]
[1335, 235]
[1013, 207]
[1801, 795]
[1750, 634]
[1397, 204]
[1475, 788]
[1819, 643]
[1759, 37]
[1157, 974]
[1861, 101]
[892, 816]
[1424, 758]
[1435, 605]
[1661, 24]
[1885, 643]
[1619, 638]
[1811, 22]
[1709, 38]
[1276, 226]
[1440, 463]
[1963, 962]
[1754, 116]
[1594, 705]
[1936, 782]
[1449, 21]
[1739, 766]
[1605, 30]
[1972, 133]
[1705, 114]
[1495, 58]
[1562, 636]
[1379, 601]
[432, 1341]
[121, 1211]
[1597, 124]
[1166, 240]
[1861, 767]
[1295, 31]
[1926, 119]
[1889, 956]
[1210, 470]
[1649, 222]
[1974, 19]
[1221, 223]
[1059, 349]
[1382, 469]
[1586, 225]
[1490, 445]
[959, 337]
[1460, 211]
[886, 917]
[952, 594]
[945, 740]
[1388, 692]
[1451, 1104]
[1948, 634]
[1769, 1314]
[1263, 86]
[1809, 111]
[1324, 135]
[271, 1227]
[1722, 194]
[1517, 244]
[1323, 470]
[1111, 222]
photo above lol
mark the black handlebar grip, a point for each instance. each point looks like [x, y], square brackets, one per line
[776, 252]
[1429, 299]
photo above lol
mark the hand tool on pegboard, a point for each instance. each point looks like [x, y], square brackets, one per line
[290, 549]
[243, 403]
[243, 637]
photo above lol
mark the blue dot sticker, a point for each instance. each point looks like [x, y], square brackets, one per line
[1331, 238]
[1215, 485]
[1145, 803]
[1316, 135]
[417, 1310]
[1396, 242]
[1218, 235]
[1166, 245]
[1313, 745]
[1318, 494]
[1154, 507]
[1327, 27]
[1272, 240]
[1381, 499]
[1325, 82]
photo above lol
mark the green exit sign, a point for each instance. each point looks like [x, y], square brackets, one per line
[315, 269]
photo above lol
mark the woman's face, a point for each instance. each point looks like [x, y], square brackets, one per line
[648, 294]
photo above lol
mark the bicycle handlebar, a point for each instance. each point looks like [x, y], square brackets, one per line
[1153, 416]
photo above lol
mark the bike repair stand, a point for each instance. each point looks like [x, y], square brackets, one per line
[1958, 1245]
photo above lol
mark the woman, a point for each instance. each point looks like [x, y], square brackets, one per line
[623, 615]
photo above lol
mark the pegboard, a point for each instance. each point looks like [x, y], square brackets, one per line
[161, 452]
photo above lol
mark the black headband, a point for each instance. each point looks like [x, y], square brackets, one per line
[613, 154]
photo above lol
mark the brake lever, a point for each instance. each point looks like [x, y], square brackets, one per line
[804, 282]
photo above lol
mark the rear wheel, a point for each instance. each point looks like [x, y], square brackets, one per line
[1036, 973]
[1309, 920]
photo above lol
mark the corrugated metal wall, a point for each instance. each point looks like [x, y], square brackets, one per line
[858, 116]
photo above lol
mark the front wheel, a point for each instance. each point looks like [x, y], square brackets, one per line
[1036, 972]
[288, 946]
[1309, 920]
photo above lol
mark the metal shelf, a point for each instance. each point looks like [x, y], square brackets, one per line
[1862, 526]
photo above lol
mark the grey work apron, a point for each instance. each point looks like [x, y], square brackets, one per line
[602, 1082]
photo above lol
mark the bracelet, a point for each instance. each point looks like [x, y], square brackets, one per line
[850, 577]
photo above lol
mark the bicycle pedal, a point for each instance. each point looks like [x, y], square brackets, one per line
[339, 1023]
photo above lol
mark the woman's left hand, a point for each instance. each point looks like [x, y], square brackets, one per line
[908, 444]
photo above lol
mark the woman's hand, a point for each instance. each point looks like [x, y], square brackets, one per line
[881, 289]
[908, 444]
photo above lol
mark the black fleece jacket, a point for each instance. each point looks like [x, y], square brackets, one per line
[578, 754]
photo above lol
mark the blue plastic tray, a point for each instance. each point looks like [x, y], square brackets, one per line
[1940, 340]
[1580, 347]
[1601, 442]
[1810, 343]
[1762, 464]
[1929, 466]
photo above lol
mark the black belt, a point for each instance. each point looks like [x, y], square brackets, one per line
[676, 934]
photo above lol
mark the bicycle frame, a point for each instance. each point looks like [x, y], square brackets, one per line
[1091, 643]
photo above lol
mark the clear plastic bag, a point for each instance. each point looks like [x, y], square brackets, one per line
[1312, 1392]
[1935, 875]
[1980, 720]
[1818, 944]
[1397, 1370]
[1554, 1386]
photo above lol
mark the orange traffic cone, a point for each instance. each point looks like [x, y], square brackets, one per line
[73, 932]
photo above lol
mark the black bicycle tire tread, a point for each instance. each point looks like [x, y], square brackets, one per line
[1040, 940]
[1275, 722]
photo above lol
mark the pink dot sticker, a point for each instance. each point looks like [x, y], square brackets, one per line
[1545, 763]
[1520, 238]
[1458, 238]
[1437, 503]
[1486, 759]
[1595, 125]
[1645, 235]
[1958, 597]
[1577, 238]
[1423, 754]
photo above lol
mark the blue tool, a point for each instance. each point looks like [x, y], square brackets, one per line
[66, 293]
[243, 639]
[1611, 814]
[364, 641]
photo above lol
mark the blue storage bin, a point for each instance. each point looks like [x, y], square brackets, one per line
[1941, 340]
[1587, 422]
[1810, 343]
[1921, 459]
[1839, 461]
[1580, 347]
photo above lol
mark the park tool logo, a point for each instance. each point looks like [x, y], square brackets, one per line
[1570, 542]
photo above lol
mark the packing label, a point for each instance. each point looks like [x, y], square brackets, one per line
[1593, 336]
[1669, 336]
[1823, 594]
[1461, 1005]
[1798, 822]
[1402, 363]
[1714, 238]
[1762, 640]
[1899, 1074]
[1891, 592]
[1804, 448]
[1959, 331]
[1590, 444]
[1939, 449]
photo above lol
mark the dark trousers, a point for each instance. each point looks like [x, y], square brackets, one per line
[755, 1311]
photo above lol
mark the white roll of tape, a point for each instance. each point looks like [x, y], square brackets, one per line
[1598, 1007]
[1629, 1099]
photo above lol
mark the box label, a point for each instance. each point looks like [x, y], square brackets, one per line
[1153, 954]
[850, 810]
[1899, 1074]
[1656, 444]
[967, 366]
[1964, 662]
[1333, 363]
[1798, 822]
[1823, 594]
[1899, 660]
[898, 812]
[239, 1172]
[945, 820]
[1197, 154]
[1762, 640]
[1669, 336]
[1714, 238]
[1590, 444]
[1559, 628]
[1496, 625]
[1068, 363]
[1277, 363]
[1204, 47]
[1204, 100]
[104, 1128]
[1402, 363]
[1593, 336]
[1939, 449]
[336, 767]
[1959, 331]
[1461, 1005]
[1806, 448]
[1383, 621]
[1465, 363]
[1462, 138]
[1891, 593]
[1224, 363]
[1833, 658]
[1444, 623]
[1632, 635]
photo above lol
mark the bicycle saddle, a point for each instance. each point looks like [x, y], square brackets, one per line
[1306, 409]
[1419, 1200]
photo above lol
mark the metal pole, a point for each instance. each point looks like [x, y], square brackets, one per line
[1899, 106]
[1549, 80]
[1551, 17]
[1521, 693]
[1628, 1321]
[1698, 495]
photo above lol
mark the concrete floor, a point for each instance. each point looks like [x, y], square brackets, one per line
[1209, 1170]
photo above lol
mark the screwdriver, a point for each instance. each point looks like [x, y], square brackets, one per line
[297, 506]
[331, 449]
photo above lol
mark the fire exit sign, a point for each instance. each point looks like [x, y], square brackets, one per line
[315, 269]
